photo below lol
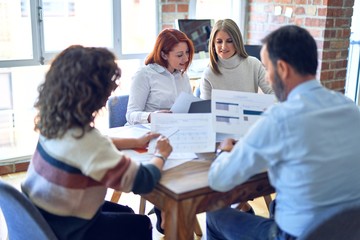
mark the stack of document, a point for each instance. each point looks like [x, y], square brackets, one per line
[235, 112]
[232, 114]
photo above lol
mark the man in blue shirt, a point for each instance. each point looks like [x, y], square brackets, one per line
[308, 143]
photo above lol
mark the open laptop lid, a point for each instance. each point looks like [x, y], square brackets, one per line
[203, 106]
[182, 102]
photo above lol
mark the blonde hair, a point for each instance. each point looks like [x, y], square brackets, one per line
[231, 28]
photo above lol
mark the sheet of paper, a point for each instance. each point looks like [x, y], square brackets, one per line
[189, 133]
[234, 112]
[142, 155]
[222, 136]
[175, 159]
[132, 131]
[182, 102]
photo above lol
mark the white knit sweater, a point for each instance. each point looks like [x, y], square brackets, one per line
[238, 74]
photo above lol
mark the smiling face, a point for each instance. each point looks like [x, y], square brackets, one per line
[178, 57]
[224, 45]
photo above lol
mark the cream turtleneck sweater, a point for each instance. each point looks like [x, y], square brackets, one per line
[238, 74]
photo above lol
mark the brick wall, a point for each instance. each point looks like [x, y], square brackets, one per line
[172, 10]
[327, 20]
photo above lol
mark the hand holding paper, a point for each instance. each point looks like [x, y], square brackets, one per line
[235, 112]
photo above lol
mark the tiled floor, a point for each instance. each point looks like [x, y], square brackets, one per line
[133, 201]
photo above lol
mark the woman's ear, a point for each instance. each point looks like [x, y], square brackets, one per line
[163, 55]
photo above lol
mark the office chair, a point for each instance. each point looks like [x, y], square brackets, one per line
[197, 92]
[23, 219]
[117, 107]
[344, 225]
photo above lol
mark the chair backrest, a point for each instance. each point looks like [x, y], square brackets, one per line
[117, 107]
[23, 219]
[197, 92]
[253, 50]
[344, 225]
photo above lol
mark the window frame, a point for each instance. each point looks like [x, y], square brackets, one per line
[40, 57]
[238, 13]
[118, 36]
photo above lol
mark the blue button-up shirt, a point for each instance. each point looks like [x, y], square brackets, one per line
[310, 146]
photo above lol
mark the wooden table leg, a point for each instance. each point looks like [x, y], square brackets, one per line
[115, 196]
[268, 200]
[179, 220]
[142, 205]
[197, 230]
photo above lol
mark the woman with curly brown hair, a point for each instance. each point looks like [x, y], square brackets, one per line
[74, 164]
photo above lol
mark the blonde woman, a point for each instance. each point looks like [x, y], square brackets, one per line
[231, 68]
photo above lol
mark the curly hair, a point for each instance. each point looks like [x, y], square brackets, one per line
[76, 87]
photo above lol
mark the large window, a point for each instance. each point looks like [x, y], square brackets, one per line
[32, 31]
[138, 27]
[68, 22]
[352, 88]
[15, 27]
[210, 9]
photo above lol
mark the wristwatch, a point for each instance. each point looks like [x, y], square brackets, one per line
[159, 155]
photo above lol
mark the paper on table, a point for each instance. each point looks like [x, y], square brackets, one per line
[132, 131]
[142, 155]
[193, 132]
[182, 103]
[234, 112]
[222, 136]
[175, 159]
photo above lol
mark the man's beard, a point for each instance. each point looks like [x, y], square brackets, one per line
[279, 88]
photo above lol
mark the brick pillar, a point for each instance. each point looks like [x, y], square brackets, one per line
[171, 10]
[336, 40]
[327, 20]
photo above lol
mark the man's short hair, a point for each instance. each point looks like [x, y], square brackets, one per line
[295, 46]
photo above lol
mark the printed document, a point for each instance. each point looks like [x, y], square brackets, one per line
[182, 102]
[187, 133]
[143, 155]
[234, 112]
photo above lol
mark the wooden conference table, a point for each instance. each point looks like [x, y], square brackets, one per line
[184, 191]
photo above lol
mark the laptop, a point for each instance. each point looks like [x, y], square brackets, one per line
[203, 106]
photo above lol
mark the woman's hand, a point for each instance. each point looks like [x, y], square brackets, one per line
[143, 141]
[162, 151]
[160, 111]
[130, 143]
[163, 146]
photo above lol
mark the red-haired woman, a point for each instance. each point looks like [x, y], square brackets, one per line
[155, 86]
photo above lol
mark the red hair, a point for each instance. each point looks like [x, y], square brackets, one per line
[165, 43]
